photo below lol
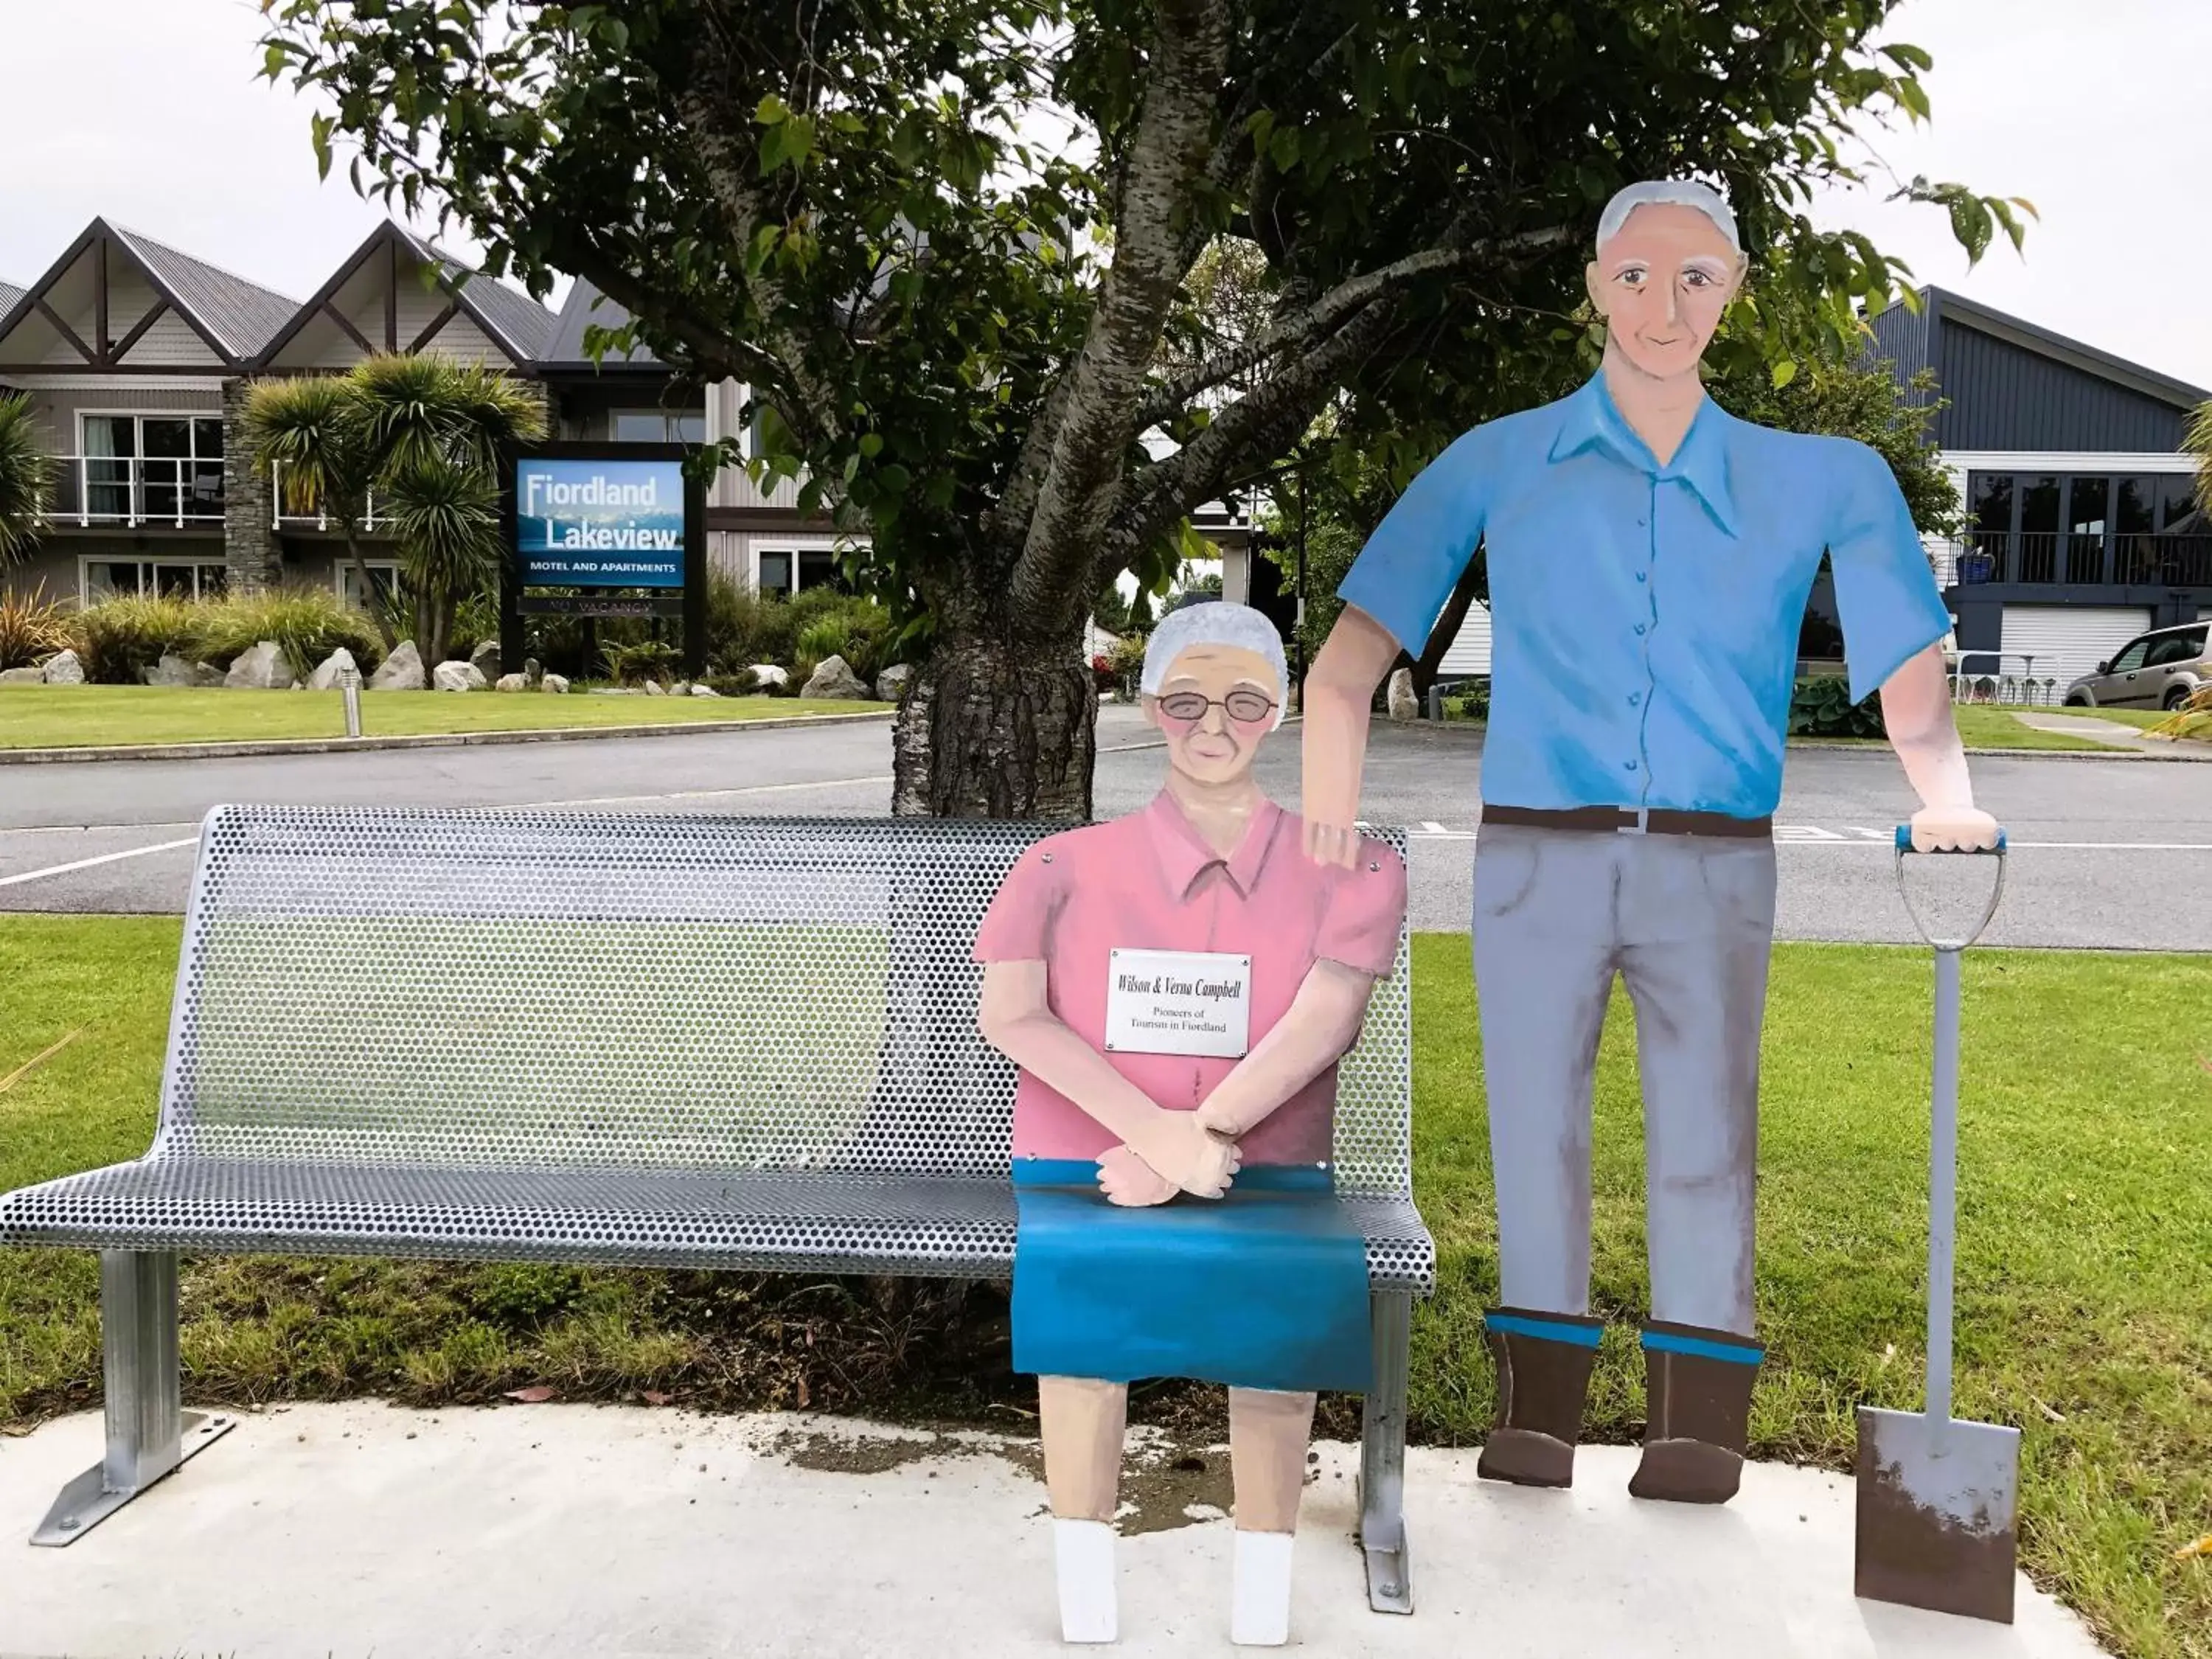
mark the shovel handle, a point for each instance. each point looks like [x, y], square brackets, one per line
[1996, 888]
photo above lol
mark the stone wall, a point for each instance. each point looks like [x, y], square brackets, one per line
[249, 539]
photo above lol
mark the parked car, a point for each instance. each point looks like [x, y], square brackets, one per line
[2157, 669]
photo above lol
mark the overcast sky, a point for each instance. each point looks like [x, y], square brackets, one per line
[149, 112]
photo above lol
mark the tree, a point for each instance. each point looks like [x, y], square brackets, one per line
[2198, 442]
[27, 479]
[423, 434]
[963, 338]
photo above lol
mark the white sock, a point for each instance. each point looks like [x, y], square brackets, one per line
[1083, 1557]
[1261, 1609]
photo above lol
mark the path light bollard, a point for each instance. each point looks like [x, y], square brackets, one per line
[350, 690]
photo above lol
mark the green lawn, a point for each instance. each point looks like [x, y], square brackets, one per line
[106, 716]
[2138, 718]
[2085, 1307]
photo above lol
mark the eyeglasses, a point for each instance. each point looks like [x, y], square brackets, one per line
[1248, 708]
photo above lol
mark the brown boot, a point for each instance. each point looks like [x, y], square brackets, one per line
[1697, 1408]
[1544, 1364]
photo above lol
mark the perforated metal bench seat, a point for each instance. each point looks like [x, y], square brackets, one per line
[950, 1227]
[667, 1041]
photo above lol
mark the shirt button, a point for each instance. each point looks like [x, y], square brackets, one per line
[1630, 765]
[1639, 575]
[1635, 697]
[1639, 628]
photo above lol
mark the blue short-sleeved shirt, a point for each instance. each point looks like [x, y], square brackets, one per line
[1645, 618]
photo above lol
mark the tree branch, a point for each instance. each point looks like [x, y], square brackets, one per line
[1301, 327]
[1173, 139]
[1258, 426]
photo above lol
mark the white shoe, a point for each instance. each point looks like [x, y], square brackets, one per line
[1261, 1609]
[1083, 1555]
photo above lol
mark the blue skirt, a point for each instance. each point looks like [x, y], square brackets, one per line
[1265, 1287]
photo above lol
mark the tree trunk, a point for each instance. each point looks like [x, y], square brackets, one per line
[986, 730]
[425, 610]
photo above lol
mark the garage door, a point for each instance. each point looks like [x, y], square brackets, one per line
[2068, 640]
[1469, 651]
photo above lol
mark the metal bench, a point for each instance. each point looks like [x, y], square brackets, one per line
[674, 1042]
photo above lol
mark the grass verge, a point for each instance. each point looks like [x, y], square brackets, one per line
[116, 716]
[2085, 1266]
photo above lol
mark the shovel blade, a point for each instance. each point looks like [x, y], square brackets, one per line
[1936, 1504]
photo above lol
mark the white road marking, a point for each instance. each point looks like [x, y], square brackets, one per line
[105, 858]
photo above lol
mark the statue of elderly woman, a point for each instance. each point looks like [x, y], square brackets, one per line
[1176, 988]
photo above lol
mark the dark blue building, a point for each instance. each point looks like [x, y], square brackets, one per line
[2082, 525]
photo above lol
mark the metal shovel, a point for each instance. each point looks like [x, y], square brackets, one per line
[1937, 1498]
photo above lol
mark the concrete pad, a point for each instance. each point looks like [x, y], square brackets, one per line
[552, 1530]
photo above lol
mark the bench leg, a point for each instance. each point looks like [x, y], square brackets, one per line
[1382, 1459]
[149, 1434]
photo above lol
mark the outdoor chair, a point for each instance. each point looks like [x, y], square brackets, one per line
[655, 1040]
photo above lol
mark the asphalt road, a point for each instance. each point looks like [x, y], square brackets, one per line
[2106, 854]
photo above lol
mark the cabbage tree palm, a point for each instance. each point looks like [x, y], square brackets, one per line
[27, 478]
[2198, 442]
[425, 435]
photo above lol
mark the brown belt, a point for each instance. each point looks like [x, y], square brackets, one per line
[1657, 820]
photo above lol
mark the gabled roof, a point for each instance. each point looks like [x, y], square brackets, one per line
[233, 316]
[1945, 306]
[241, 315]
[585, 306]
[517, 323]
[11, 295]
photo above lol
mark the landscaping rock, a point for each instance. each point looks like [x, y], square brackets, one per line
[615, 691]
[1403, 705]
[891, 683]
[402, 670]
[485, 660]
[263, 668]
[655, 688]
[64, 670]
[766, 674]
[173, 670]
[23, 676]
[680, 689]
[460, 677]
[835, 679]
[555, 683]
[704, 691]
[512, 683]
[530, 670]
[331, 671]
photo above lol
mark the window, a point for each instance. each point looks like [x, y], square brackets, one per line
[785, 571]
[1988, 498]
[153, 466]
[817, 568]
[2131, 658]
[168, 579]
[383, 583]
[2134, 506]
[776, 573]
[2177, 499]
[659, 426]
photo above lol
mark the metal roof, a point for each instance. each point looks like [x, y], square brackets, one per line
[519, 321]
[1953, 307]
[240, 315]
[586, 305]
[11, 295]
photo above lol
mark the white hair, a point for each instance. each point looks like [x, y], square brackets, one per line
[1215, 622]
[1676, 192]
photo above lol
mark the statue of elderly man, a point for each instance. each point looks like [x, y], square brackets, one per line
[1176, 988]
[1650, 559]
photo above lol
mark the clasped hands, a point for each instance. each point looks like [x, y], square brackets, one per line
[1195, 1153]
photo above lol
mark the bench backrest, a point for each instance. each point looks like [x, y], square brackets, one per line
[545, 990]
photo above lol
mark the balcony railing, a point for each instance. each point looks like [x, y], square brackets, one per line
[280, 518]
[136, 490]
[2084, 559]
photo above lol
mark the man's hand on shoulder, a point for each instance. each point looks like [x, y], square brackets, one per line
[1334, 844]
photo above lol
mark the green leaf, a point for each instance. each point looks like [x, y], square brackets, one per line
[1784, 372]
[771, 111]
[1913, 96]
[871, 445]
[1970, 223]
[1596, 186]
[1910, 57]
[320, 137]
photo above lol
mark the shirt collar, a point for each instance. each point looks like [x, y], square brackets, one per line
[1589, 419]
[1182, 854]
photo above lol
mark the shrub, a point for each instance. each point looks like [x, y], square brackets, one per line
[32, 629]
[1822, 708]
[1126, 663]
[741, 683]
[1471, 703]
[307, 625]
[476, 619]
[862, 636]
[647, 659]
[122, 638]
[743, 628]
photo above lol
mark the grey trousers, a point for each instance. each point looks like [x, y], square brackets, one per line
[1688, 922]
